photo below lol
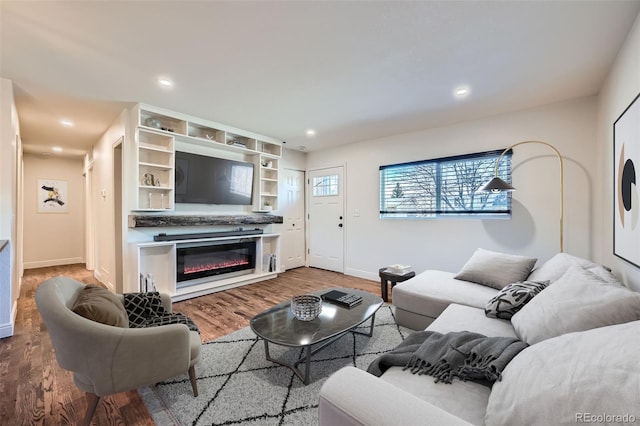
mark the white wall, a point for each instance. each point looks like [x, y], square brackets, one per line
[53, 238]
[447, 243]
[621, 87]
[10, 159]
[103, 203]
[293, 159]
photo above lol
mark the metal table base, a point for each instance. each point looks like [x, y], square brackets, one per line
[308, 353]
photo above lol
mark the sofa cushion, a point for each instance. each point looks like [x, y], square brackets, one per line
[556, 267]
[430, 292]
[467, 400]
[579, 300]
[99, 304]
[512, 298]
[459, 317]
[495, 269]
[563, 380]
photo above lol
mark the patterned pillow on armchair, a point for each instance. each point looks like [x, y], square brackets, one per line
[146, 310]
[142, 306]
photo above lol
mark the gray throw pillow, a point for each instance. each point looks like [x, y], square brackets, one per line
[495, 269]
[512, 298]
[579, 300]
[99, 304]
[559, 264]
[571, 379]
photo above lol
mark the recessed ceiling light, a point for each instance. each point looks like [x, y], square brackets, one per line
[311, 132]
[56, 149]
[165, 82]
[66, 123]
[462, 91]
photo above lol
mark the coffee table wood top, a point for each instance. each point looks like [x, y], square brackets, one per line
[279, 326]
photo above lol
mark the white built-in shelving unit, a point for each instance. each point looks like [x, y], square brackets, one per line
[158, 131]
[155, 170]
[157, 134]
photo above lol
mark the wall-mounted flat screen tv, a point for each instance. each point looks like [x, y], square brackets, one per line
[210, 180]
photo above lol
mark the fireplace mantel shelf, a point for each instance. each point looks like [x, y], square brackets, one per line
[148, 221]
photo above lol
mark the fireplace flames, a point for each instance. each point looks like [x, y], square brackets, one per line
[214, 266]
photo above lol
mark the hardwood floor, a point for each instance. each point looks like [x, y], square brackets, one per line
[36, 391]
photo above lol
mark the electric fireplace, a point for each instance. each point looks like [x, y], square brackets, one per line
[202, 260]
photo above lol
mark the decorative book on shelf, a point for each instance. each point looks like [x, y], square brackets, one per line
[341, 298]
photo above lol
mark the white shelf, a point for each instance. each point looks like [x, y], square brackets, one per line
[154, 164]
[157, 188]
[154, 148]
[220, 285]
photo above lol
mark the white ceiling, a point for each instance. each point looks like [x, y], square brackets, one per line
[351, 70]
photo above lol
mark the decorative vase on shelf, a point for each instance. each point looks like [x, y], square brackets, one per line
[153, 122]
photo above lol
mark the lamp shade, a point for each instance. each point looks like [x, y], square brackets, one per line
[496, 185]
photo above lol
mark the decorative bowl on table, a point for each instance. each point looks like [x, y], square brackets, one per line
[306, 307]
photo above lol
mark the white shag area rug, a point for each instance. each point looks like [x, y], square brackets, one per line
[238, 386]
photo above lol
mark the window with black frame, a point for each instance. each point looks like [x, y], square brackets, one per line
[445, 187]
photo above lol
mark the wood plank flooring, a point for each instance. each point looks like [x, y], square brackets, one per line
[34, 390]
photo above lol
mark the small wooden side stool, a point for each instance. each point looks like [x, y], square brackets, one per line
[386, 277]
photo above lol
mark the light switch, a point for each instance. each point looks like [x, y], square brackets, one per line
[356, 212]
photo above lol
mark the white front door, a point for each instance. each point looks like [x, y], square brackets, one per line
[326, 218]
[293, 241]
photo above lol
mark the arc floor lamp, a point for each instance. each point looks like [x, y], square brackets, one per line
[498, 185]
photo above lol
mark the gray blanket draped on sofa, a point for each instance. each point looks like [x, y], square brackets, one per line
[464, 354]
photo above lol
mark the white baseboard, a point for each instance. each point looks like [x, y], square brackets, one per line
[6, 330]
[373, 276]
[53, 262]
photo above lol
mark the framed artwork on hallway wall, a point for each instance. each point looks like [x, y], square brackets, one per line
[52, 196]
[626, 198]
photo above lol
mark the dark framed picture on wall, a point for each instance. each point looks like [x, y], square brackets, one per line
[626, 193]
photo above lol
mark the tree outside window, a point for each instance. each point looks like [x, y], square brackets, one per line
[444, 187]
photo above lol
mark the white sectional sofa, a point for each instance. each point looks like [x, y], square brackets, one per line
[419, 301]
[582, 365]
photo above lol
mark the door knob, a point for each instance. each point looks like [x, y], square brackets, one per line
[340, 217]
[339, 225]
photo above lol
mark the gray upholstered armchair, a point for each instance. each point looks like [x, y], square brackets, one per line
[106, 359]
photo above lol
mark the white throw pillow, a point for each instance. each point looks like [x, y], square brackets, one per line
[556, 267]
[572, 379]
[579, 300]
[495, 269]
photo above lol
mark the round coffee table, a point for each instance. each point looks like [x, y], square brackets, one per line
[277, 325]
